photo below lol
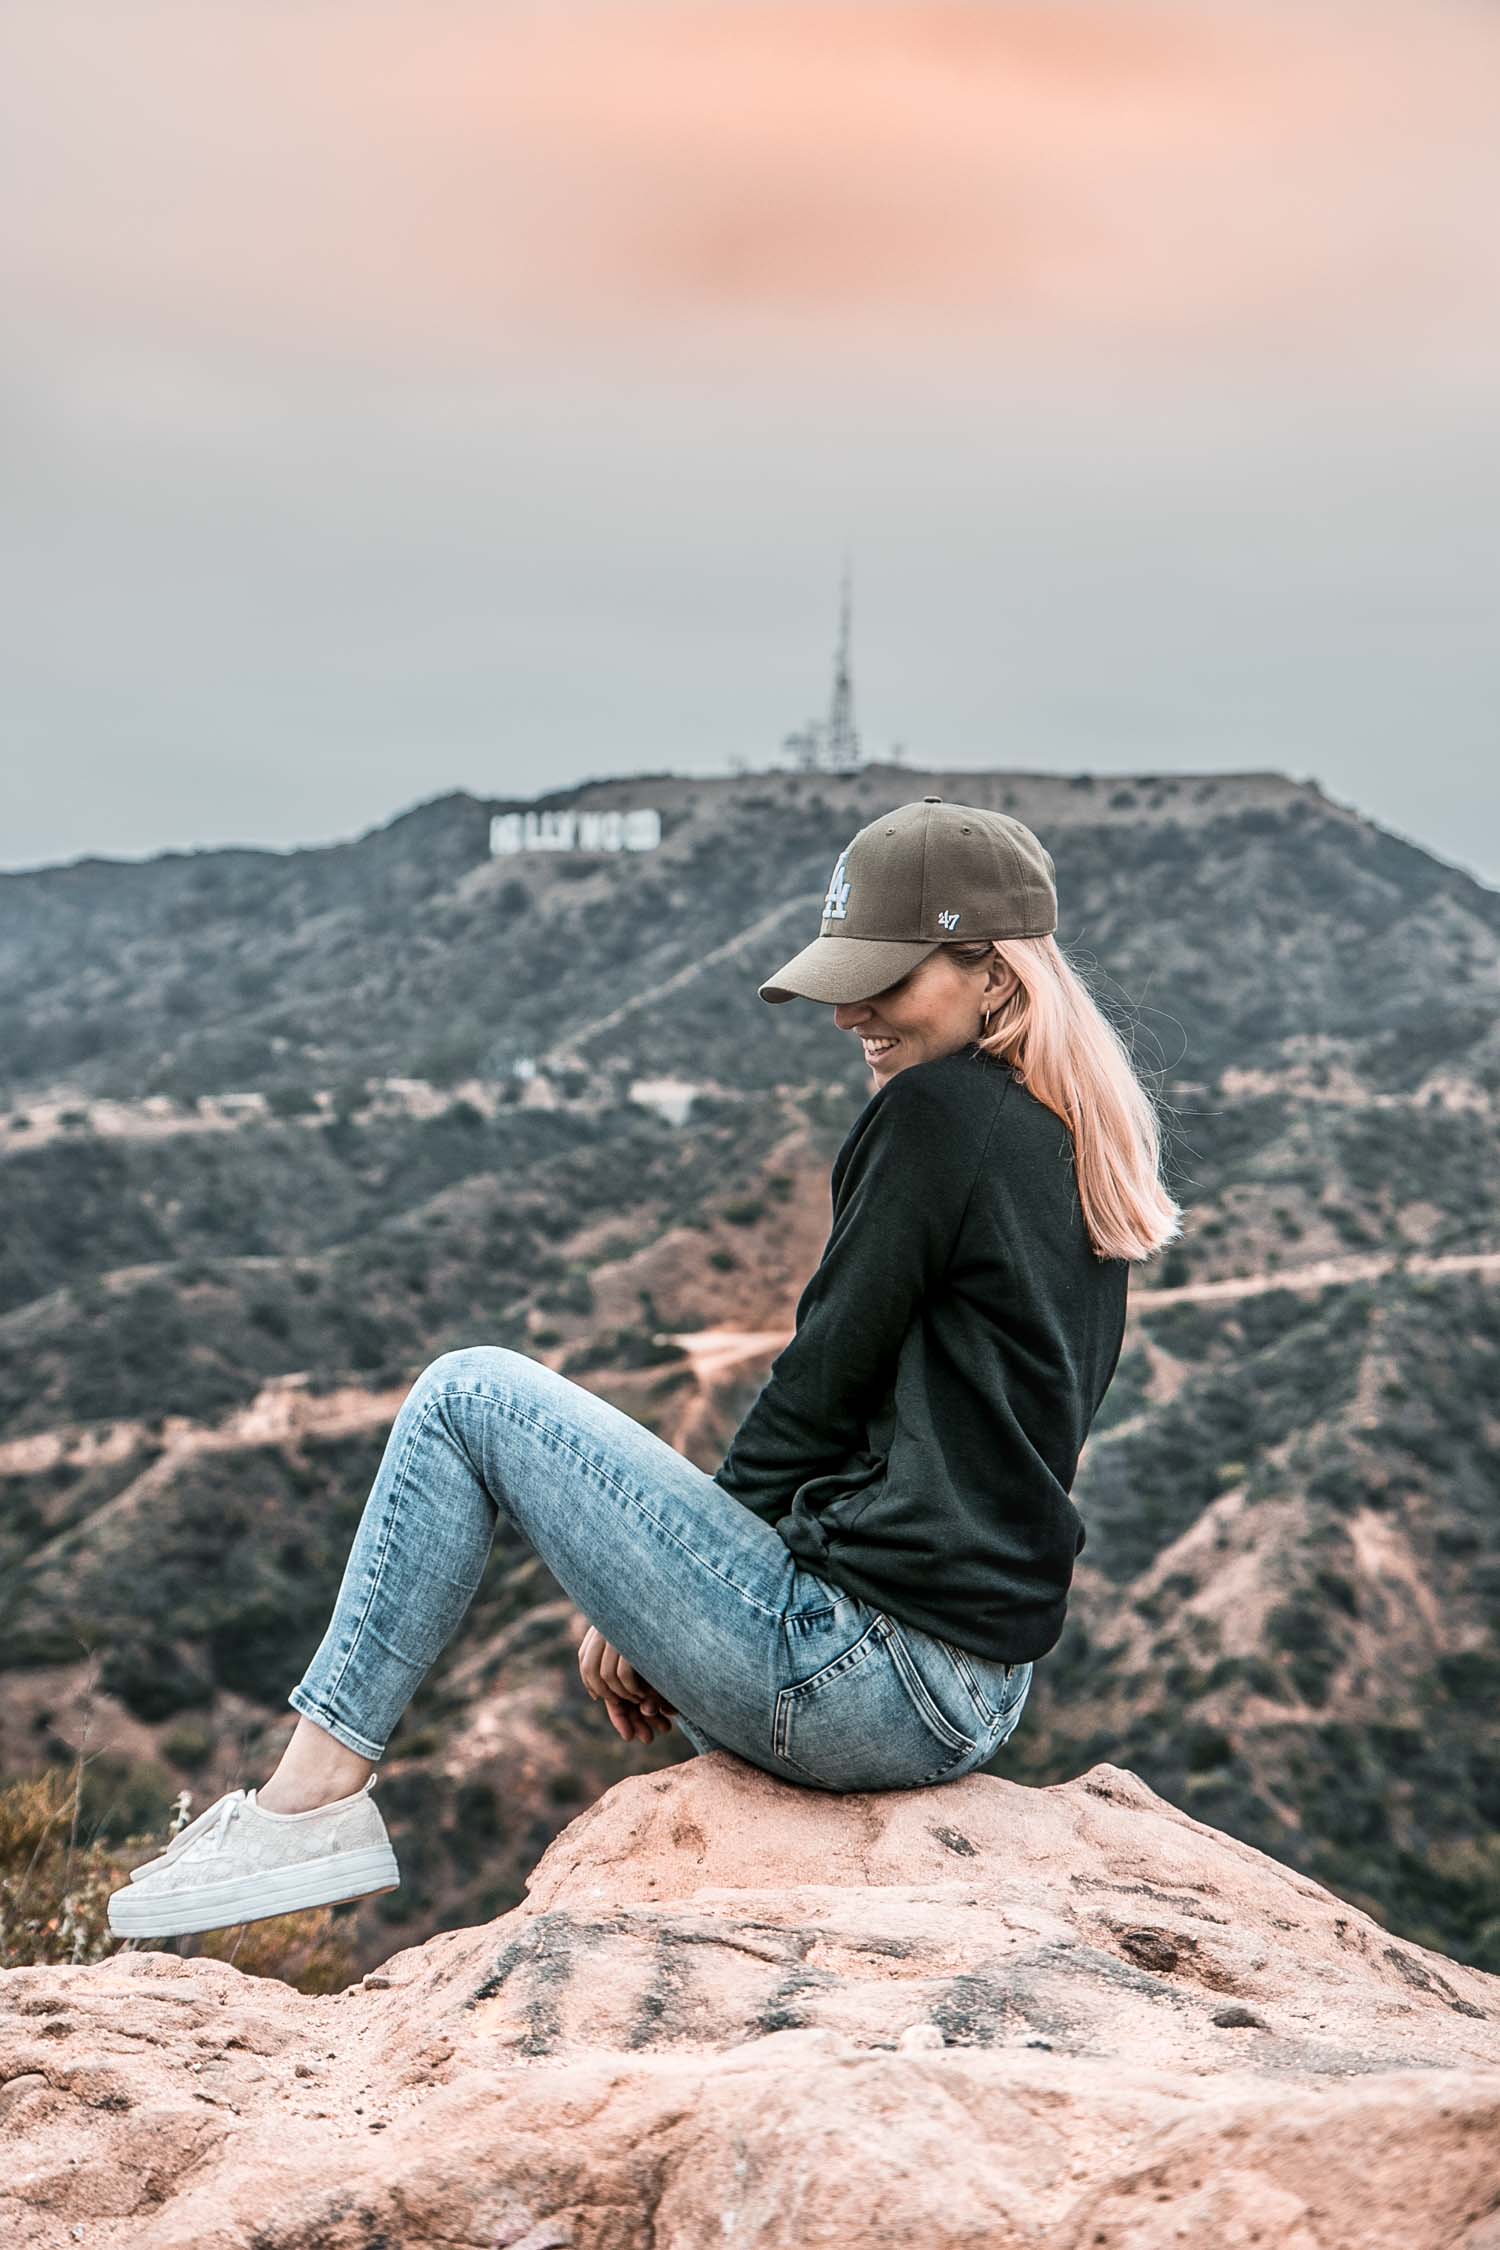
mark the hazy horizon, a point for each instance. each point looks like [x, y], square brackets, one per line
[1141, 775]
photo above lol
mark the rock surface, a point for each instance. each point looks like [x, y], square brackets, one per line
[733, 2012]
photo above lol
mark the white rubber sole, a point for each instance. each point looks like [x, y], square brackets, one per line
[136, 1912]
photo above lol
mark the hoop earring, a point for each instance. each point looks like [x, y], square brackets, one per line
[984, 1027]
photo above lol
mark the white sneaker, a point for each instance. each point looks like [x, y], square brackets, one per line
[237, 1862]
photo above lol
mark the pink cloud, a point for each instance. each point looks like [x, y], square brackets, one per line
[439, 179]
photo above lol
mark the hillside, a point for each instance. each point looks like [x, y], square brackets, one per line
[279, 1127]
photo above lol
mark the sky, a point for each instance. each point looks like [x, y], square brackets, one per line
[413, 395]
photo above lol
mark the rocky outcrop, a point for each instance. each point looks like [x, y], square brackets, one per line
[731, 2012]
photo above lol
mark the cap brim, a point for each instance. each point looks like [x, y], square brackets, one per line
[845, 968]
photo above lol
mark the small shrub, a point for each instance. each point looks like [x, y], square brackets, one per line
[291, 1101]
[154, 1679]
[1207, 1748]
[189, 1746]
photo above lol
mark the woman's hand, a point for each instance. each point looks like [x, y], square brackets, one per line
[636, 1712]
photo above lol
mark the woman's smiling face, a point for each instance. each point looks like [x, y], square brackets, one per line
[936, 1009]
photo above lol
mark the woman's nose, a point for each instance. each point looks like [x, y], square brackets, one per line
[850, 1012]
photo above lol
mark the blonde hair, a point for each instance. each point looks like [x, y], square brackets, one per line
[1066, 1052]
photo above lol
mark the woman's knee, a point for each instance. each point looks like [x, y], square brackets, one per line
[475, 1367]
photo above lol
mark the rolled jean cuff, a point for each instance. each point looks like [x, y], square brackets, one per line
[360, 1744]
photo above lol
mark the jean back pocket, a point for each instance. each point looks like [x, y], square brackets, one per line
[868, 1718]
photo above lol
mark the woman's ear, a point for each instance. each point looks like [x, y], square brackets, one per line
[1000, 980]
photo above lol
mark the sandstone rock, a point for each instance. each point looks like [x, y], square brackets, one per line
[731, 2012]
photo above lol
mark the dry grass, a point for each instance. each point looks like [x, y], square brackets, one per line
[53, 1892]
[55, 1889]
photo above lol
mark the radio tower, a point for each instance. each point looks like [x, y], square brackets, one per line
[832, 745]
[843, 736]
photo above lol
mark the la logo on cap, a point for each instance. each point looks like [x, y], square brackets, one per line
[836, 904]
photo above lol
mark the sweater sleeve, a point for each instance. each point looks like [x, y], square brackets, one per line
[900, 1188]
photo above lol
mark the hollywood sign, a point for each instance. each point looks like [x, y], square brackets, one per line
[607, 831]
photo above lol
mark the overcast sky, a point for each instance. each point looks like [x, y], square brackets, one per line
[410, 395]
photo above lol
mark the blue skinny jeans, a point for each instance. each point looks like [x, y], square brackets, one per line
[756, 1653]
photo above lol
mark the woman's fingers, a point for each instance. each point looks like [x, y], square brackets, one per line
[632, 1722]
[590, 1653]
[596, 1662]
[636, 1712]
[621, 1675]
[626, 1720]
[618, 1675]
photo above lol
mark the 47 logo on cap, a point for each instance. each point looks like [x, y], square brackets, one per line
[836, 904]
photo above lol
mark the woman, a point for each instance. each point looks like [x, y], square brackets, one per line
[857, 1596]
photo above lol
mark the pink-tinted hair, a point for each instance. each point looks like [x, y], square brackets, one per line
[1066, 1052]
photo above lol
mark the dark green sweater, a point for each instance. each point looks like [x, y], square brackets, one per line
[916, 1441]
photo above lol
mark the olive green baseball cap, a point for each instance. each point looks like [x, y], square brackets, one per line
[925, 875]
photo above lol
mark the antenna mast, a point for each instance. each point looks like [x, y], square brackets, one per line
[831, 745]
[843, 736]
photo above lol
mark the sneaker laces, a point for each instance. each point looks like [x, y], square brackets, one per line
[229, 1811]
[211, 1823]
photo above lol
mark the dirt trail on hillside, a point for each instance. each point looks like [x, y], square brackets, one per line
[281, 1413]
[713, 1350]
[574, 1046]
[712, 1354]
[284, 1412]
[1322, 1274]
